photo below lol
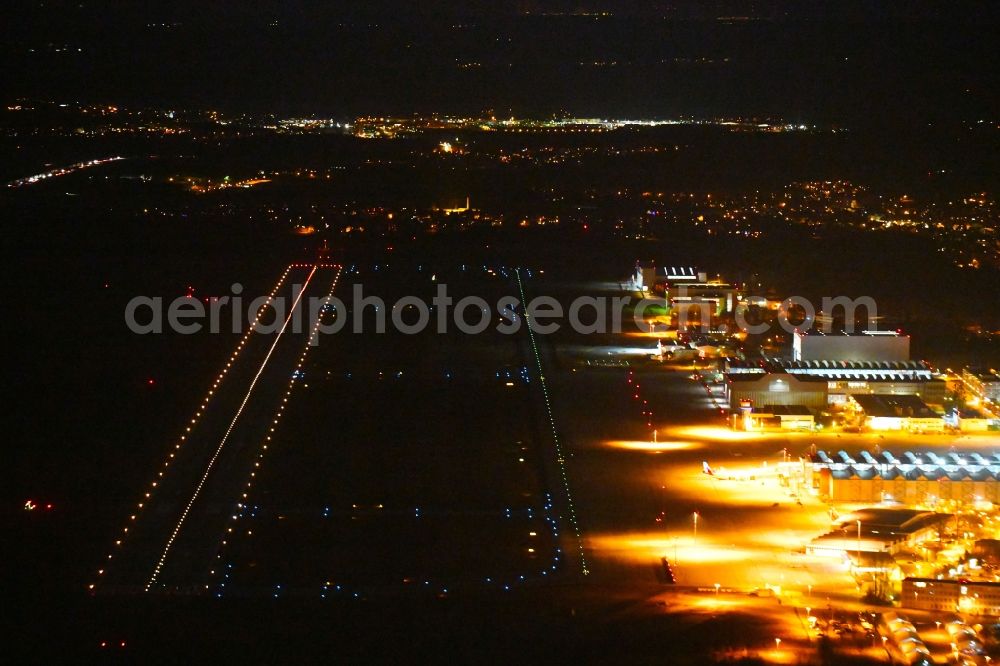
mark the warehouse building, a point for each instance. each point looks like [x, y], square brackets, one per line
[774, 388]
[778, 417]
[925, 479]
[897, 412]
[842, 380]
[878, 530]
[647, 275]
[970, 420]
[872, 346]
[691, 295]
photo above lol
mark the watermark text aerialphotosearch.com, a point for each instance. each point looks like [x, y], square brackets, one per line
[470, 314]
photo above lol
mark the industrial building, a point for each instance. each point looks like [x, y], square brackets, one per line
[893, 370]
[897, 412]
[874, 346]
[818, 384]
[955, 596]
[970, 420]
[774, 388]
[926, 479]
[878, 530]
[687, 290]
[778, 417]
[647, 275]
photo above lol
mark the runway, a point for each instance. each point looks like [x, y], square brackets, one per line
[169, 539]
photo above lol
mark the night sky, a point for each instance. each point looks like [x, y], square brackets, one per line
[850, 63]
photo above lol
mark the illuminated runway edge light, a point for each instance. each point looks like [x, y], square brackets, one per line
[245, 509]
[241, 503]
[633, 386]
[225, 437]
[148, 494]
[437, 587]
[560, 456]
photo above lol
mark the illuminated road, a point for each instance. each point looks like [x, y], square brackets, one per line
[61, 171]
[168, 542]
